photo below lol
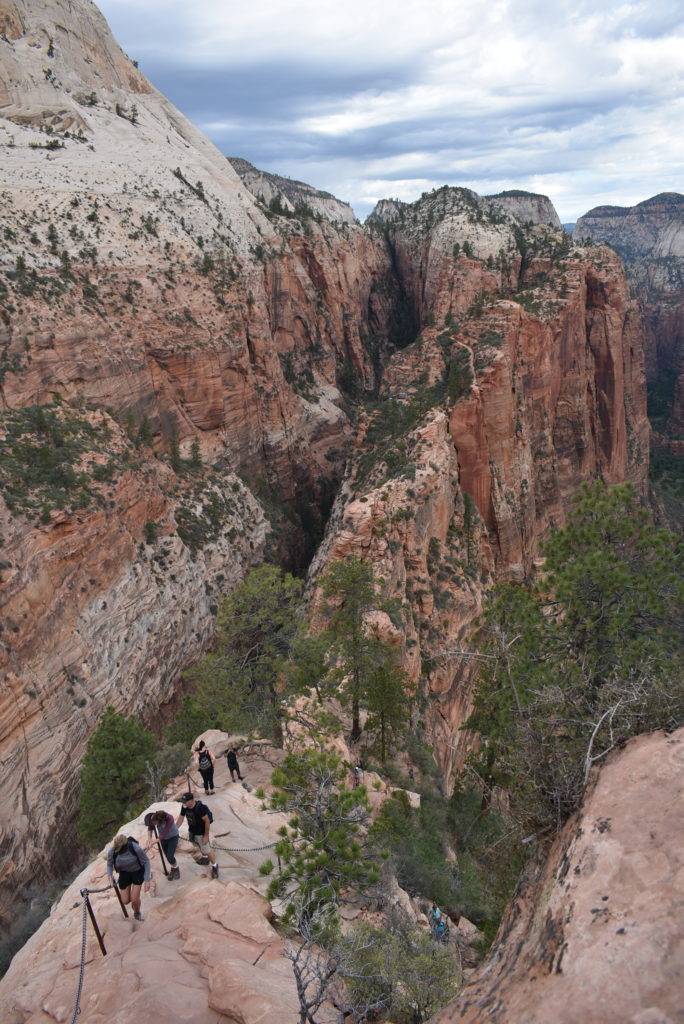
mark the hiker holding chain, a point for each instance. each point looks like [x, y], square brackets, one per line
[167, 835]
[127, 857]
[198, 817]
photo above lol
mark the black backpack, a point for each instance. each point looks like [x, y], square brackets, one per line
[198, 812]
[132, 846]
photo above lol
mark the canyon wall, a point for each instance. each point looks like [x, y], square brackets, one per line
[650, 239]
[526, 379]
[195, 339]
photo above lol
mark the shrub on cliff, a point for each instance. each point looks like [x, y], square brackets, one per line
[112, 775]
[240, 685]
[585, 660]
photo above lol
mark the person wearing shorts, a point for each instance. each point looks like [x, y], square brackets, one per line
[128, 858]
[195, 813]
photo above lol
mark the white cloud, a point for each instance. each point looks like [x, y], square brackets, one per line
[566, 97]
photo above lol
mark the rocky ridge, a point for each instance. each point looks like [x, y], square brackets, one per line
[141, 281]
[650, 239]
[521, 384]
[288, 196]
[594, 932]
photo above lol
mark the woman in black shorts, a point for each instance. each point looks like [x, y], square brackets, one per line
[133, 865]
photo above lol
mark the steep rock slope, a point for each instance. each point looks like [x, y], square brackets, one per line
[595, 933]
[650, 239]
[525, 380]
[187, 349]
[288, 196]
[139, 276]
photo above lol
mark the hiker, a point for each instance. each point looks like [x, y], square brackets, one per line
[233, 766]
[358, 775]
[126, 856]
[198, 817]
[438, 923]
[204, 760]
[167, 834]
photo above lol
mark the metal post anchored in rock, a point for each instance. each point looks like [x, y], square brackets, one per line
[121, 902]
[84, 894]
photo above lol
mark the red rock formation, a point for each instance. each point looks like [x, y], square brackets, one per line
[140, 275]
[531, 394]
[650, 239]
[595, 933]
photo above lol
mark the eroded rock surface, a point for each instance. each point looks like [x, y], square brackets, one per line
[143, 281]
[597, 934]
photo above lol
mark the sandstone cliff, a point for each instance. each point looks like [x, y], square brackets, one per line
[140, 276]
[288, 196]
[525, 380]
[595, 935]
[143, 284]
[650, 239]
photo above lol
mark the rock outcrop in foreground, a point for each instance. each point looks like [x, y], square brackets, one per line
[206, 951]
[597, 935]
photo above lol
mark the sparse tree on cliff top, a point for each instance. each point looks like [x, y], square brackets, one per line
[348, 587]
[321, 854]
[112, 775]
[587, 659]
[242, 685]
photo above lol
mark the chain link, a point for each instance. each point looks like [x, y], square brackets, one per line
[77, 1007]
[238, 849]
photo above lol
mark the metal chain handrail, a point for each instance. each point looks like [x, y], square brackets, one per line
[84, 941]
[238, 849]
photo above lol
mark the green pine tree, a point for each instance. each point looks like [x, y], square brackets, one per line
[112, 775]
[588, 658]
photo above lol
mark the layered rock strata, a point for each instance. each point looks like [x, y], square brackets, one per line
[221, 338]
[526, 379]
[650, 239]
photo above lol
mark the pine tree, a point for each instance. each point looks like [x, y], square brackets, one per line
[112, 775]
[322, 852]
[588, 658]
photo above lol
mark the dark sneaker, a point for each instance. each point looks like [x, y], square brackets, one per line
[174, 873]
[214, 870]
[138, 916]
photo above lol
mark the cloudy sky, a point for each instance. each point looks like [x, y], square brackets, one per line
[370, 99]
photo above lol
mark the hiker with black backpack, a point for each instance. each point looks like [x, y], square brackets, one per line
[126, 856]
[204, 760]
[199, 818]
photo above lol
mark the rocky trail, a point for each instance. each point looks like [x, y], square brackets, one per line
[205, 952]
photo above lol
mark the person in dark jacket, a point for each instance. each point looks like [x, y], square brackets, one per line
[133, 865]
[233, 766]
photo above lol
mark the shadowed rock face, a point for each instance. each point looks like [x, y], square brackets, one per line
[142, 283]
[650, 239]
[595, 933]
[526, 380]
